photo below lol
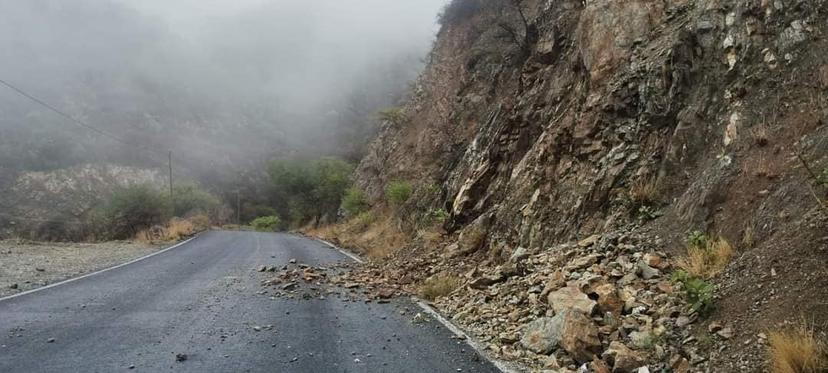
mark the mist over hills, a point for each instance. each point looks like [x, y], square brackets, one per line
[225, 87]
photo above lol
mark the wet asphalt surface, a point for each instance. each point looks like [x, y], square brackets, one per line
[204, 300]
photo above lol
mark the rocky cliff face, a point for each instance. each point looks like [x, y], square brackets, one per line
[666, 116]
[708, 99]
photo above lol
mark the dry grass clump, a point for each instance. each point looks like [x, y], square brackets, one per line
[175, 230]
[363, 220]
[372, 234]
[438, 286]
[382, 239]
[145, 237]
[797, 350]
[644, 191]
[430, 237]
[707, 259]
[178, 229]
[201, 222]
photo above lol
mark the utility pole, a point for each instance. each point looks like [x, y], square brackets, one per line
[172, 198]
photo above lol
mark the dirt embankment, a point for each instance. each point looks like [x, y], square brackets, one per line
[28, 265]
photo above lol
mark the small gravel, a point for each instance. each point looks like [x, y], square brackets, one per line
[28, 265]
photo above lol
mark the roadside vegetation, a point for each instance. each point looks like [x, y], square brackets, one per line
[705, 257]
[697, 292]
[355, 202]
[266, 224]
[364, 220]
[190, 199]
[405, 213]
[147, 214]
[174, 230]
[309, 191]
[131, 210]
[797, 350]
[397, 193]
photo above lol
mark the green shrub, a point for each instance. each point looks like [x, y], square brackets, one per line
[397, 192]
[354, 202]
[190, 199]
[436, 216]
[646, 213]
[697, 239]
[698, 292]
[364, 220]
[132, 209]
[266, 223]
[253, 209]
[394, 115]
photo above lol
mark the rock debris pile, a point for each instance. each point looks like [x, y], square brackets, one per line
[298, 280]
[604, 304]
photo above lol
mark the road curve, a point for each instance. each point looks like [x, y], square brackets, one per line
[202, 300]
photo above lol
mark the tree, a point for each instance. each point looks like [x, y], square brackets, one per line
[513, 21]
[191, 199]
[309, 190]
[266, 223]
[132, 209]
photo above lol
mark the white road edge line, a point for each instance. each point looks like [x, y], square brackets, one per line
[437, 316]
[96, 272]
[344, 252]
[460, 333]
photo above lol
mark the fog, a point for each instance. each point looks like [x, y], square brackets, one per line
[224, 84]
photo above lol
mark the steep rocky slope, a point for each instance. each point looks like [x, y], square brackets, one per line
[539, 124]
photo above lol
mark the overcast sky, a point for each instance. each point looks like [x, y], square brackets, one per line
[215, 76]
[191, 17]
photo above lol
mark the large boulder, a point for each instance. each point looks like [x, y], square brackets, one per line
[473, 236]
[571, 298]
[623, 359]
[608, 299]
[579, 336]
[570, 330]
[542, 335]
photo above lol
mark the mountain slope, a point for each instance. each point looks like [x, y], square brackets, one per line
[539, 124]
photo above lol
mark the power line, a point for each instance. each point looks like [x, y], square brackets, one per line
[72, 119]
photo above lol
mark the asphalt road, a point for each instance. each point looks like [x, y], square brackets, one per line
[203, 299]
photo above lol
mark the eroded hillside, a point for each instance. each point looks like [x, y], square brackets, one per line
[554, 131]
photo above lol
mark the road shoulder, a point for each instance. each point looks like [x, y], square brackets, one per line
[26, 265]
